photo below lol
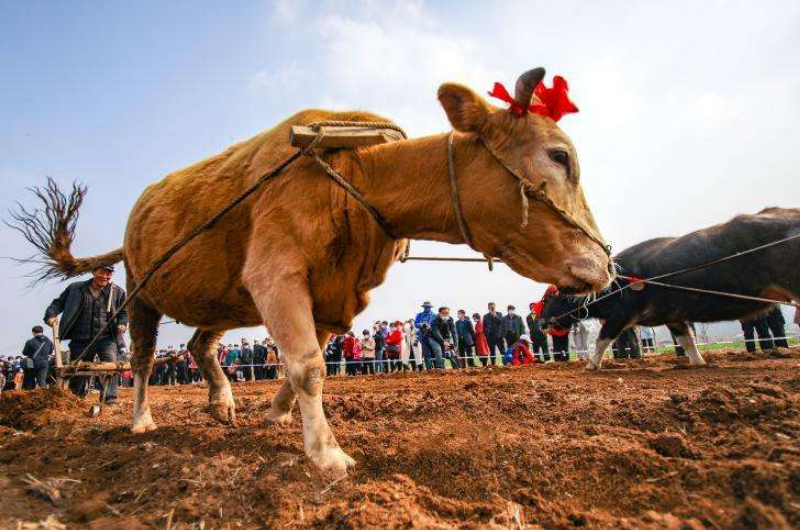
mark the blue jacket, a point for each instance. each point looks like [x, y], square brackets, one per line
[39, 349]
[423, 317]
[465, 331]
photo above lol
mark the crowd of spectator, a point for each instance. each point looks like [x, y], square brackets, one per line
[431, 340]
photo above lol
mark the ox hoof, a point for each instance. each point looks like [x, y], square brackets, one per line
[224, 411]
[334, 461]
[698, 363]
[277, 417]
[591, 367]
[143, 424]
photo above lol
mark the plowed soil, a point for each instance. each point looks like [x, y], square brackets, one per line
[646, 444]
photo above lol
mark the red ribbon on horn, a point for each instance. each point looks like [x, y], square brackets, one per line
[551, 102]
[500, 92]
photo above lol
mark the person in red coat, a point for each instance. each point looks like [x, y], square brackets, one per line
[352, 353]
[522, 355]
[481, 344]
[394, 345]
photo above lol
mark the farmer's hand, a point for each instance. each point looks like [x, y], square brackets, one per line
[52, 321]
[121, 328]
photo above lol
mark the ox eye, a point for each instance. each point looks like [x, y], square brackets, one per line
[559, 156]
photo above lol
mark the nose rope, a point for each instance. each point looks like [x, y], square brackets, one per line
[527, 191]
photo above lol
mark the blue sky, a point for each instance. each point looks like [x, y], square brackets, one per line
[689, 110]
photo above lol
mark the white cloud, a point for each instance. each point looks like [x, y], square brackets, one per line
[390, 58]
[286, 12]
[286, 78]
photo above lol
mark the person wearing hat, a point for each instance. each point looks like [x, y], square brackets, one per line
[88, 308]
[522, 355]
[426, 316]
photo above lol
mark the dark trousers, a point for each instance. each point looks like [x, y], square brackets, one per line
[368, 366]
[539, 346]
[106, 351]
[778, 328]
[353, 367]
[495, 346]
[437, 354]
[36, 376]
[259, 370]
[561, 348]
[380, 356]
[455, 362]
[427, 353]
[183, 374]
[761, 327]
[465, 352]
[627, 345]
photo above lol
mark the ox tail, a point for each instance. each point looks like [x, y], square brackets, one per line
[50, 228]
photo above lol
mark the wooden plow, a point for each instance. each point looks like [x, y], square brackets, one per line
[103, 370]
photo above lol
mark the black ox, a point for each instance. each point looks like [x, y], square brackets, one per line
[772, 273]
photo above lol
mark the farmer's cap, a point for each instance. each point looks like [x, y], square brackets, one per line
[108, 268]
[427, 304]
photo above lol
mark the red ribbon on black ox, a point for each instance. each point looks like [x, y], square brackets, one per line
[636, 283]
[552, 102]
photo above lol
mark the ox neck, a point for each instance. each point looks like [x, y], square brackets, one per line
[407, 182]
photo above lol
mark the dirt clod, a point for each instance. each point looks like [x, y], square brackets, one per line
[542, 447]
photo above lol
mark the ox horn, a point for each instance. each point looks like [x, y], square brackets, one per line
[523, 90]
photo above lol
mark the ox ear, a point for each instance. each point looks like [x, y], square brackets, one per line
[466, 111]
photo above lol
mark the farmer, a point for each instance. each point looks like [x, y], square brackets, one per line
[36, 355]
[90, 308]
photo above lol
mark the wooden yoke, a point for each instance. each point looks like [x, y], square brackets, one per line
[342, 137]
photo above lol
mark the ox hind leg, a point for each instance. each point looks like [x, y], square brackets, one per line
[286, 307]
[144, 321]
[608, 334]
[685, 337]
[220, 397]
[283, 401]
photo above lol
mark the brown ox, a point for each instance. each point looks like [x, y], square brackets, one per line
[301, 255]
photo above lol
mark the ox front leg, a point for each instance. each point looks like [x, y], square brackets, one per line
[685, 337]
[280, 412]
[608, 334]
[287, 311]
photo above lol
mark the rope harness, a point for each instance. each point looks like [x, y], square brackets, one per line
[526, 191]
